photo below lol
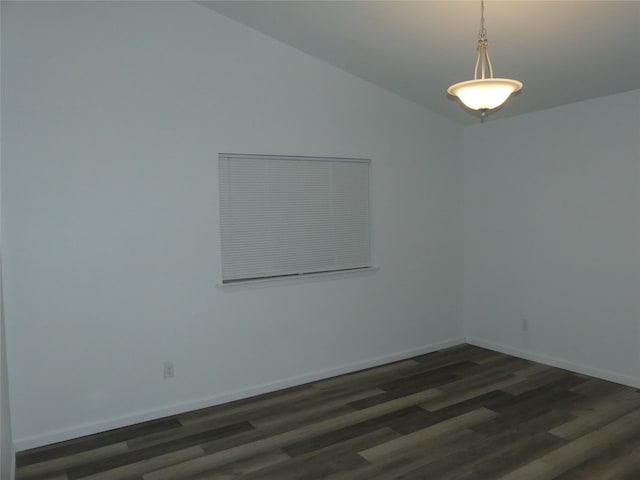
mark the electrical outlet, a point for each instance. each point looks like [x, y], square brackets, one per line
[525, 324]
[168, 372]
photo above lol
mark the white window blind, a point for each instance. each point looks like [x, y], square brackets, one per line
[283, 216]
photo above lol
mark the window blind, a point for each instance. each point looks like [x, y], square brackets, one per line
[283, 216]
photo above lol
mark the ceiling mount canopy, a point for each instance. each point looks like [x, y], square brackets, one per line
[484, 92]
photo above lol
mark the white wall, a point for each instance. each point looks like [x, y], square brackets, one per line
[552, 234]
[114, 114]
[7, 457]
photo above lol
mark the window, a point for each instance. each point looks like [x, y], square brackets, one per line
[282, 216]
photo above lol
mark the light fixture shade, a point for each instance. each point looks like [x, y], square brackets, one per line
[486, 93]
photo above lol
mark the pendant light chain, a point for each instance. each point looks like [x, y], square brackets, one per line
[483, 30]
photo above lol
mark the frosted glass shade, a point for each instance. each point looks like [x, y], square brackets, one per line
[485, 94]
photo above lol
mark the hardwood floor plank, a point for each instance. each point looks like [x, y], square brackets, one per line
[534, 470]
[243, 407]
[596, 388]
[93, 442]
[599, 414]
[427, 434]
[618, 461]
[314, 411]
[320, 463]
[485, 374]
[534, 425]
[210, 429]
[135, 469]
[583, 448]
[57, 465]
[162, 450]
[244, 467]
[408, 460]
[472, 391]
[545, 379]
[540, 400]
[494, 459]
[452, 465]
[486, 400]
[412, 419]
[352, 431]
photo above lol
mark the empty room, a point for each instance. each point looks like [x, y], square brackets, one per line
[341, 240]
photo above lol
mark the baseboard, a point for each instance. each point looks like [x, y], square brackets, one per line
[557, 362]
[143, 416]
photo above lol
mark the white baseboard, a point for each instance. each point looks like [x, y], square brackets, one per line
[558, 362]
[143, 416]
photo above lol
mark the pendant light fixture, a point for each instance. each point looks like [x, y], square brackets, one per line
[484, 92]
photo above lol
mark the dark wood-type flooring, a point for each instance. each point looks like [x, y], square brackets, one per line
[462, 413]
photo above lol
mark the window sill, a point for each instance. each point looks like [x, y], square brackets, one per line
[292, 279]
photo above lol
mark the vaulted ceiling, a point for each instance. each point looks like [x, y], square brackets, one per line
[563, 51]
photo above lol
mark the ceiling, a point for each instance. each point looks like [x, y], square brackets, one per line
[563, 51]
